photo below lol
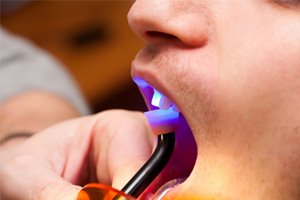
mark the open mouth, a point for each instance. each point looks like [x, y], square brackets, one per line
[153, 98]
[164, 116]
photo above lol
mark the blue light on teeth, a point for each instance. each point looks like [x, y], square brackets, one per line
[156, 98]
[165, 118]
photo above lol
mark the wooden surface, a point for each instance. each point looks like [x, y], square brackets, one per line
[91, 38]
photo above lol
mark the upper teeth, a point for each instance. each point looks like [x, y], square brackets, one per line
[158, 99]
[161, 101]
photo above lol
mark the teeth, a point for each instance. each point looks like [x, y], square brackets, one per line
[161, 101]
[165, 103]
[156, 98]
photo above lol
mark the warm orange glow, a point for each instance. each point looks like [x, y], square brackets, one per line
[98, 191]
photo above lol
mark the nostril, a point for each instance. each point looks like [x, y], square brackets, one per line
[160, 35]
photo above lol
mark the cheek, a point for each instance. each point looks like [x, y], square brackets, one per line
[196, 79]
[261, 69]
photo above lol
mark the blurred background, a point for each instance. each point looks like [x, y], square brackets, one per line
[90, 37]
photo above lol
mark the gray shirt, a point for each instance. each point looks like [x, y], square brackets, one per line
[24, 67]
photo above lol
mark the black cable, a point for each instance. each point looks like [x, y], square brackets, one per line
[150, 170]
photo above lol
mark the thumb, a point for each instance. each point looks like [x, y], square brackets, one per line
[121, 146]
[125, 173]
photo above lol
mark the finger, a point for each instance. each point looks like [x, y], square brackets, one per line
[125, 173]
[27, 177]
[58, 188]
[129, 143]
[45, 165]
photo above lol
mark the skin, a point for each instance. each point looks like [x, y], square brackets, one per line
[57, 161]
[27, 113]
[233, 68]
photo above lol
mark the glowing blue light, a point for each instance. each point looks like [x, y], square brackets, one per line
[140, 82]
[163, 121]
[167, 115]
[156, 98]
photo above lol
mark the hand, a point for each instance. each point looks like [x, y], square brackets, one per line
[108, 147]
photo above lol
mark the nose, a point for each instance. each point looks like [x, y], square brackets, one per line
[159, 21]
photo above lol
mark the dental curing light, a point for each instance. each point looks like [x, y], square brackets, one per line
[163, 122]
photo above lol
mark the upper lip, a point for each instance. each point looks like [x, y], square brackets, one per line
[150, 64]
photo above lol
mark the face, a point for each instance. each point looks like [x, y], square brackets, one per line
[233, 69]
